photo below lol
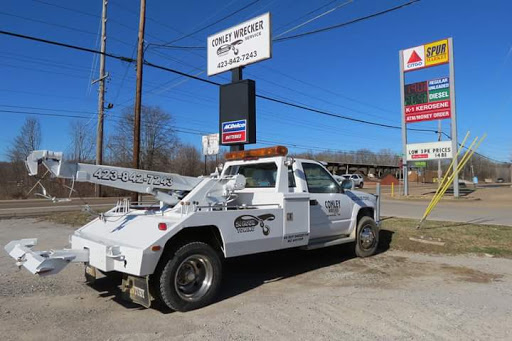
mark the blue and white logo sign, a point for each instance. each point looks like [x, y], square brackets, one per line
[234, 131]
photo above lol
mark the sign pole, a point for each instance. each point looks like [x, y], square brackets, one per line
[404, 126]
[439, 138]
[236, 76]
[455, 146]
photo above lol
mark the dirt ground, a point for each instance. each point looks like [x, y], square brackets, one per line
[323, 295]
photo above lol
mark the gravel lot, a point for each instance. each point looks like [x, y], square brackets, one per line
[323, 294]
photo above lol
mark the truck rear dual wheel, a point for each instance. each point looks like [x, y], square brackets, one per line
[191, 277]
[367, 237]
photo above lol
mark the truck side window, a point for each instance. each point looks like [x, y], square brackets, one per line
[259, 175]
[318, 179]
[291, 178]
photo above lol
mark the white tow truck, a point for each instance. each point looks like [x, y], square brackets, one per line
[262, 200]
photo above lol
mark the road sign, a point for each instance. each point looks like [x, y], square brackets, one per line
[427, 55]
[428, 100]
[243, 44]
[234, 132]
[210, 144]
[420, 164]
[429, 151]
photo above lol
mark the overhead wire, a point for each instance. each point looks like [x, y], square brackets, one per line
[332, 27]
[314, 18]
[213, 23]
[215, 83]
[164, 68]
[324, 29]
[198, 132]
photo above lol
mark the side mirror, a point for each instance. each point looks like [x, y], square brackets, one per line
[347, 184]
[289, 161]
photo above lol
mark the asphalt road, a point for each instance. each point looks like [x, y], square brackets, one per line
[476, 212]
[36, 207]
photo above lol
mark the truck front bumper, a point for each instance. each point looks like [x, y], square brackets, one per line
[125, 259]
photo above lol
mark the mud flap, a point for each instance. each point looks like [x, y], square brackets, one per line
[136, 290]
[90, 274]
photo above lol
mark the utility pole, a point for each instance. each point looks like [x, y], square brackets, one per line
[138, 91]
[101, 93]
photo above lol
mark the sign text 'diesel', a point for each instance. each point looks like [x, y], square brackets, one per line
[243, 44]
[429, 151]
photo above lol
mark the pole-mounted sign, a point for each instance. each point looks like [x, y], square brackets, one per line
[429, 100]
[210, 144]
[427, 55]
[243, 44]
[429, 151]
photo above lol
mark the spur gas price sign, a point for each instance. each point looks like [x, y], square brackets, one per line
[428, 100]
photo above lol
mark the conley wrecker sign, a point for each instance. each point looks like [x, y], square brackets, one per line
[243, 44]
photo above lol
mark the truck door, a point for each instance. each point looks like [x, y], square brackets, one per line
[330, 208]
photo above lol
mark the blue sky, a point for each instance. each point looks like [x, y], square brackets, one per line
[351, 71]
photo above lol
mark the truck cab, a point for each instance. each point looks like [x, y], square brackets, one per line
[315, 205]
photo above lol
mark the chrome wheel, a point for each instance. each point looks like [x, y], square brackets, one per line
[367, 237]
[193, 278]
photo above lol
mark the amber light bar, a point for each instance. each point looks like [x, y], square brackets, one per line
[257, 153]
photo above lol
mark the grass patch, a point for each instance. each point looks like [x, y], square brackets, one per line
[458, 238]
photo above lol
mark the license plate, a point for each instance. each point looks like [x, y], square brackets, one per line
[90, 273]
[136, 290]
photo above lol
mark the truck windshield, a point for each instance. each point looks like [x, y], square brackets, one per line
[260, 175]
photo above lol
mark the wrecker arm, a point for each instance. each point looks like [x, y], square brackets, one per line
[157, 184]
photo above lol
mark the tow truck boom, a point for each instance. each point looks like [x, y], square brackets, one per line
[136, 180]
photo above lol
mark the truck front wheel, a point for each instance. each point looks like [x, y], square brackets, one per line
[367, 239]
[191, 277]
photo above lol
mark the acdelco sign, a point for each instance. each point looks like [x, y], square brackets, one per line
[234, 132]
[427, 55]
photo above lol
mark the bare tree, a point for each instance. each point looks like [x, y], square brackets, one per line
[187, 161]
[28, 139]
[82, 141]
[158, 139]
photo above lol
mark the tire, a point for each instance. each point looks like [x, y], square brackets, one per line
[367, 237]
[190, 279]
[361, 184]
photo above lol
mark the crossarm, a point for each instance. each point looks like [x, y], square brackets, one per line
[129, 179]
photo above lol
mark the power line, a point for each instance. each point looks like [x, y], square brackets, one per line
[164, 68]
[197, 132]
[84, 13]
[306, 14]
[329, 28]
[57, 25]
[213, 23]
[47, 109]
[271, 99]
[315, 18]
[300, 35]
